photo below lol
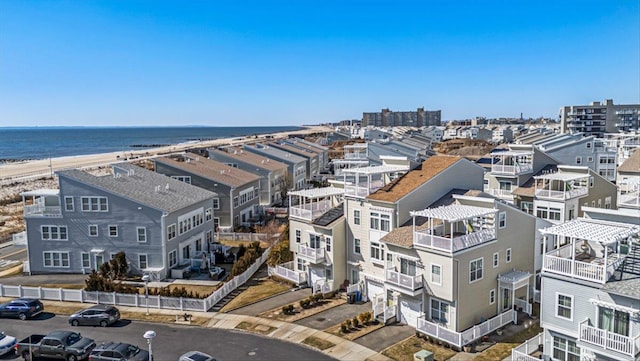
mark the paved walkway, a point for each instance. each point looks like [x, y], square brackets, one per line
[285, 331]
[334, 316]
[278, 301]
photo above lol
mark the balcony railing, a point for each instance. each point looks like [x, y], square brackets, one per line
[310, 211]
[466, 337]
[37, 210]
[512, 169]
[630, 199]
[562, 195]
[362, 190]
[424, 238]
[288, 272]
[529, 350]
[501, 193]
[411, 283]
[609, 340]
[314, 255]
[591, 269]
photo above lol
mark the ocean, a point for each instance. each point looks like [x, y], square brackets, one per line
[51, 142]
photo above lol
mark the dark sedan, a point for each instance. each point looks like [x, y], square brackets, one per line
[98, 315]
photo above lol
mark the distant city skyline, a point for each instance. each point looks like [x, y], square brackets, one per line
[170, 63]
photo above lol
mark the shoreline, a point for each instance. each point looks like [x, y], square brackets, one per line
[20, 170]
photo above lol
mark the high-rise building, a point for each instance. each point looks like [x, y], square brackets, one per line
[598, 118]
[389, 118]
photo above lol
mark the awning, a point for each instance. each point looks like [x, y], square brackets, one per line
[615, 306]
[96, 250]
[514, 279]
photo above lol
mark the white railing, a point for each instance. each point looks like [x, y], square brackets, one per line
[43, 211]
[523, 351]
[466, 337]
[323, 286]
[629, 199]
[425, 239]
[404, 281]
[354, 287]
[310, 211]
[20, 239]
[356, 191]
[389, 313]
[236, 236]
[504, 193]
[524, 305]
[558, 262]
[561, 195]
[134, 300]
[314, 255]
[288, 272]
[512, 169]
[609, 340]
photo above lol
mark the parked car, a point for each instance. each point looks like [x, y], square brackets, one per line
[196, 356]
[22, 308]
[6, 343]
[65, 345]
[118, 351]
[98, 315]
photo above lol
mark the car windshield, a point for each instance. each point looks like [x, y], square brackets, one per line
[199, 357]
[132, 350]
[73, 338]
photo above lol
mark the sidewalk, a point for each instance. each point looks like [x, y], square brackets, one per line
[284, 331]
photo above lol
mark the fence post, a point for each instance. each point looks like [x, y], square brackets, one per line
[137, 303]
[181, 307]
[81, 296]
[60, 294]
[114, 298]
[40, 293]
[19, 290]
[159, 302]
[97, 297]
[1, 290]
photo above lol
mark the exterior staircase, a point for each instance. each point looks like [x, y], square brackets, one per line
[259, 275]
[631, 264]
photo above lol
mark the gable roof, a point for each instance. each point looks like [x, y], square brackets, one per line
[210, 169]
[257, 160]
[632, 164]
[143, 186]
[411, 180]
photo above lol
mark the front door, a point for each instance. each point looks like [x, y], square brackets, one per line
[99, 260]
[506, 298]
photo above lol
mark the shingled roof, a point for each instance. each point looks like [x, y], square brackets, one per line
[210, 169]
[405, 184]
[632, 164]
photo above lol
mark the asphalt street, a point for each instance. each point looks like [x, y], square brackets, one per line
[13, 253]
[171, 341]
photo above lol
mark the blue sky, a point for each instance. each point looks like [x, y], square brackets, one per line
[227, 63]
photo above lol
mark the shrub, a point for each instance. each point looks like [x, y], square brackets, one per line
[305, 303]
[343, 327]
[280, 253]
[355, 322]
[316, 297]
[348, 323]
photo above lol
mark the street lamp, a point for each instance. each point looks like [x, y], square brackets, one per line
[149, 335]
[146, 278]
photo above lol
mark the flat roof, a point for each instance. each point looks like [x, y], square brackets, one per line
[210, 169]
[593, 230]
[254, 159]
[563, 176]
[454, 212]
[318, 192]
[41, 192]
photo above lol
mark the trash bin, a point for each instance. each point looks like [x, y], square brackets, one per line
[358, 296]
[351, 297]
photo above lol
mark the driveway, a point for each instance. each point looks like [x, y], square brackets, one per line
[386, 336]
[278, 301]
[334, 316]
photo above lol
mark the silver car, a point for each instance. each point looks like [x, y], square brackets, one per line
[98, 315]
[196, 356]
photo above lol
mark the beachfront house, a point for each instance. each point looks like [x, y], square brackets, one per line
[296, 165]
[159, 222]
[238, 201]
[272, 173]
[311, 156]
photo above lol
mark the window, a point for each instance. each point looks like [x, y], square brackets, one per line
[93, 230]
[565, 350]
[328, 275]
[436, 274]
[377, 252]
[613, 321]
[142, 234]
[56, 259]
[508, 255]
[591, 182]
[607, 202]
[380, 221]
[590, 159]
[171, 231]
[502, 219]
[492, 296]
[54, 233]
[301, 265]
[112, 255]
[216, 203]
[208, 214]
[198, 244]
[216, 223]
[142, 261]
[475, 270]
[314, 241]
[173, 258]
[578, 160]
[68, 204]
[327, 243]
[496, 259]
[185, 179]
[356, 246]
[190, 220]
[298, 235]
[564, 306]
[549, 213]
[186, 252]
[505, 186]
[94, 204]
[209, 237]
[86, 263]
[113, 231]
[588, 145]
[439, 311]
[355, 276]
[356, 217]
[526, 207]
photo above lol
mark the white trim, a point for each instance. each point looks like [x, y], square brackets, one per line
[482, 271]
[495, 260]
[508, 256]
[97, 230]
[51, 259]
[615, 306]
[454, 212]
[109, 230]
[501, 214]
[492, 296]
[50, 228]
[431, 274]
[146, 260]
[82, 254]
[144, 234]
[359, 246]
[557, 305]
[67, 204]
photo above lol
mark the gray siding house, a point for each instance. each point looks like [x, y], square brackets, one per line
[157, 221]
[311, 156]
[238, 191]
[297, 169]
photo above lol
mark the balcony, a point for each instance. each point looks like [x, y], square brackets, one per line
[581, 263]
[310, 211]
[560, 195]
[530, 350]
[512, 163]
[511, 169]
[410, 285]
[38, 210]
[363, 190]
[311, 204]
[288, 272]
[429, 239]
[561, 186]
[313, 255]
[629, 199]
[500, 193]
[608, 340]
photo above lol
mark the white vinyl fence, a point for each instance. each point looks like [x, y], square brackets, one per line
[134, 300]
[250, 237]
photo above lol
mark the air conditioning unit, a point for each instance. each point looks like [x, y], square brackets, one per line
[423, 355]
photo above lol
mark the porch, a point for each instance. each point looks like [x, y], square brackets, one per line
[561, 186]
[608, 340]
[512, 163]
[363, 181]
[402, 280]
[313, 255]
[42, 203]
[310, 204]
[530, 350]
[288, 272]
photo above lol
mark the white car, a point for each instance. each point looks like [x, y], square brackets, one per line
[196, 356]
[7, 343]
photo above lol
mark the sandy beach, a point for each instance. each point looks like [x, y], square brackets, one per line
[15, 172]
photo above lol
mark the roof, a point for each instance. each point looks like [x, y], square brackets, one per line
[528, 189]
[291, 149]
[632, 164]
[454, 212]
[401, 236]
[254, 159]
[411, 180]
[41, 192]
[593, 230]
[152, 189]
[330, 216]
[210, 169]
[563, 176]
[275, 153]
[317, 192]
[626, 280]
[378, 169]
